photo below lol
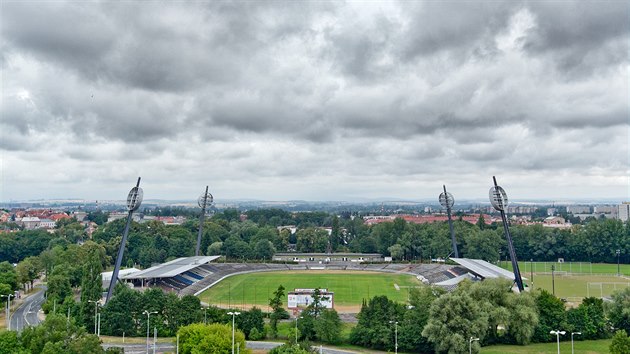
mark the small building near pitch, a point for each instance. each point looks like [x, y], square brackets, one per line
[300, 298]
[327, 257]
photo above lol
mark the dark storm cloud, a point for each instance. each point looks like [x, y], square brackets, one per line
[465, 27]
[319, 91]
[589, 37]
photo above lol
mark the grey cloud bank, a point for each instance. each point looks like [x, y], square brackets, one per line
[314, 100]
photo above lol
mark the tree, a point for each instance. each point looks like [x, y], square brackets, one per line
[212, 338]
[312, 240]
[58, 287]
[483, 245]
[551, 315]
[620, 343]
[373, 329]
[122, 313]
[618, 311]
[26, 271]
[251, 323]
[328, 327]
[396, 251]
[453, 318]
[264, 250]
[277, 311]
[214, 248]
[410, 337]
[9, 343]
[58, 335]
[505, 309]
[91, 284]
[8, 275]
[589, 319]
[289, 349]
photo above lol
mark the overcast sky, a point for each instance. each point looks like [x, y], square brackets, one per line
[314, 100]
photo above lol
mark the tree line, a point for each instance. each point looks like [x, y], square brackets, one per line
[435, 321]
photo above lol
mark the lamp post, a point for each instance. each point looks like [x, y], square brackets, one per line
[233, 314]
[134, 200]
[558, 333]
[96, 303]
[296, 328]
[553, 280]
[572, 333]
[470, 340]
[395, 336]
[446, 200]
[499, 200]
[8, 296]
[618, 252]
[205, 315]
[531, 271]
[204, 201]
[148, 319]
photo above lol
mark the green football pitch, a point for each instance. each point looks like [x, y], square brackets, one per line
[569, 267]
[575, 279]
[350, 288]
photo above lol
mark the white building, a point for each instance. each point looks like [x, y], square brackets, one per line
[47, 224]
[623, 211]
[579, 209]
[30, 223]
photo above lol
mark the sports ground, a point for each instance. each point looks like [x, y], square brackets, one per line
[349, 287]
[571, 281]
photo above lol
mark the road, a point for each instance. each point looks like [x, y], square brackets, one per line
[26, 314]
[169, 347]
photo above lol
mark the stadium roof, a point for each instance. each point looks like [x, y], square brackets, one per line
[107, 276]
[172, 268]
[455, 280]
[483, 269]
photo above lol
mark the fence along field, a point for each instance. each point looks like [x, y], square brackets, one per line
[575, 280]
[349, 287]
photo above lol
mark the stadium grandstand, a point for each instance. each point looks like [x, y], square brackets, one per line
[174, 275]
[193, 275]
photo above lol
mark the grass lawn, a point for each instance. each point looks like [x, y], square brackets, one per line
[568, 286]
[350, 288]
[135, 340]
[569, 267]
[581, 347]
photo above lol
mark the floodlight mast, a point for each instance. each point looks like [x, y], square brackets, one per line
[134, 200]
[447, 201]
[204, 201]
[498, 199]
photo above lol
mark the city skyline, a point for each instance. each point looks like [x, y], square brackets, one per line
[316, 101]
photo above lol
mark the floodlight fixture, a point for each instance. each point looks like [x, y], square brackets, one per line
[499, 200]
[134, 200]
[447, 201]
[204, 201]
[498, 197]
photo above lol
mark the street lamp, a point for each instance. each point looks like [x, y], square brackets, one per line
[8, 296]
[618, 252]
[395, 336]
[148, 319]
[96, 303]
[558, 333]
[572, 333]
[553, 280]
[472, 339]
[296, 328]
[233, 314]
[531, 271]
[205, 315]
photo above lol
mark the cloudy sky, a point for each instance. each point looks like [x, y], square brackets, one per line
[314, 100]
